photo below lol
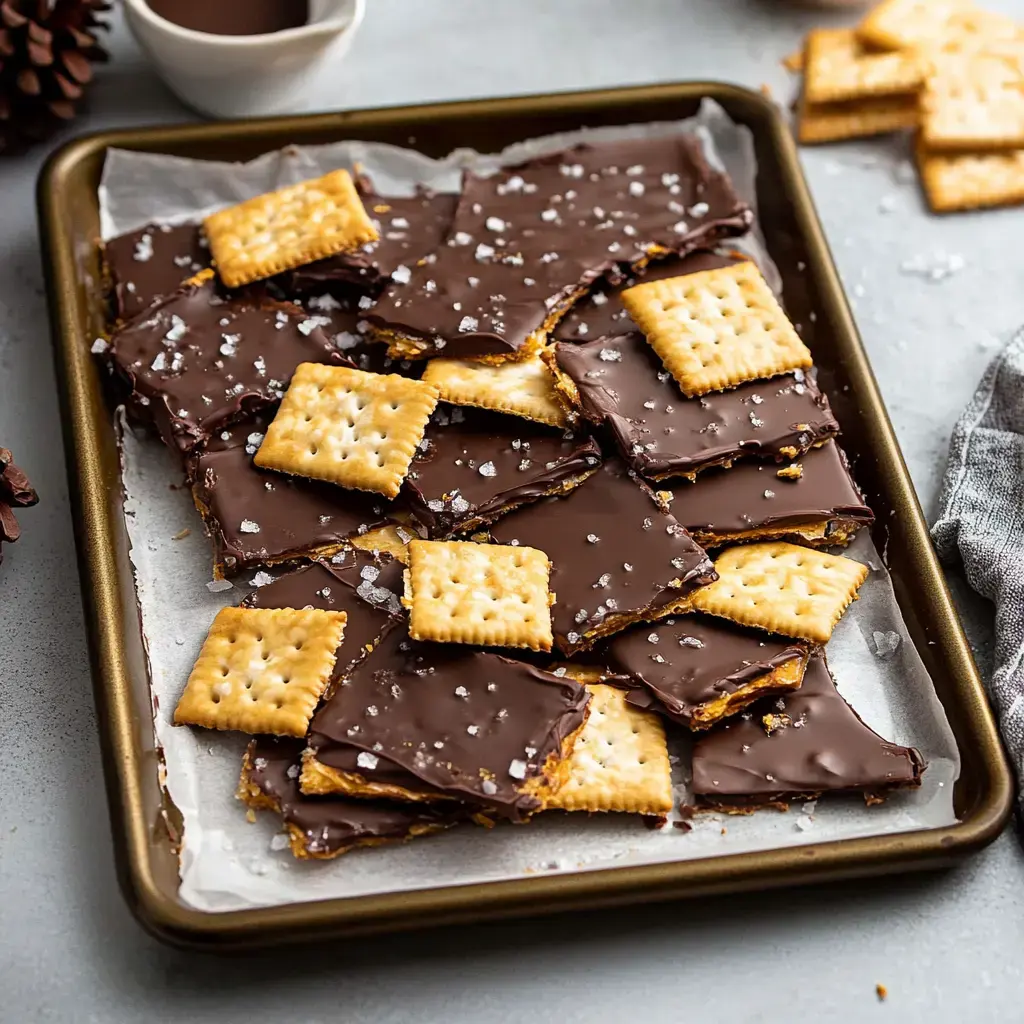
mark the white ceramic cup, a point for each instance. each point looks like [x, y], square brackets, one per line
[245, 76]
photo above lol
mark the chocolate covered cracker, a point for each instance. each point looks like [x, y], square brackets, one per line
[617, 556]
[201, 360]
[696, 671]
[813, 500]
[527, 241]
[150, 264]
[799, 745]
[662, 434]
[258, 517]
[475, 726]
[474, 466]
[325, 828]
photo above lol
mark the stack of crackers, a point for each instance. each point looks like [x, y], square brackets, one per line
[436, 434]
[945, 69]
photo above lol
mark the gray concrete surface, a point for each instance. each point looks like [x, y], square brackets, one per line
[945, 945]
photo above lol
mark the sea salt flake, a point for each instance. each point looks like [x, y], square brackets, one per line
[603, 581]
[610, 355]
[593, 538]
[652, 638]
[219, 586]
[461, 691]
[487, 469]
[230, 344]
[310, 324]
[517, 768]
[98, 346]
[699, 209]
[279, 841]
[248, 526]
[488, 788]
[401, 274]
[364, 759]
[885, 642]
[144, 249]
[262, 579]
[484, 252]
[468, 324]
[636, 188]
[690, 641]
[473, 730]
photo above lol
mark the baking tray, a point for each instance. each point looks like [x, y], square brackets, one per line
[147, 864]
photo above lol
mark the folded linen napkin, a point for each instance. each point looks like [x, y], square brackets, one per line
[981, 522]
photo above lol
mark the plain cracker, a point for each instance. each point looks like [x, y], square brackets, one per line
[287, 228]
[900, 24]
[488, 594]
[262, 670]
[974, 102]
[717, 328]
[783, 588]
[839, 67]
[522, 388]
[619, 761]
[969, 181]
[349, 427]
[833, 122]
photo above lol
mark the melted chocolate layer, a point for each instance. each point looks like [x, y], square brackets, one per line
[814, 742]
[410, 228]
[151, 263]
[751, 496]
[199, 361]
[475, 465]
[691, 660]
[257, 517]
[469, 723]
[332, 825]
[524, 241]
[601, 313]
[615, 553]
[661, 433]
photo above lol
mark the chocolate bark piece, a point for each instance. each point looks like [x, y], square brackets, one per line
[151, 263]
[618, 556]
[600, 314]
[480, 727]
[202, 360]
[526, 242]
[696, 670]
[800, 745]
[15, 492]
[364, 586]
[258, 517]
[474, 466]
[813, 500]
[410, 228]
[324, 828]
[662, 433]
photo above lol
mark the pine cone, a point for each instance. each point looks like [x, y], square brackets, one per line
[47, 48]
[15, 492]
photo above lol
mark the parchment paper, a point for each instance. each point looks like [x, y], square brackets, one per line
[228, 863]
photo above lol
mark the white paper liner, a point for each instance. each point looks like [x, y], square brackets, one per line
[226, 862]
